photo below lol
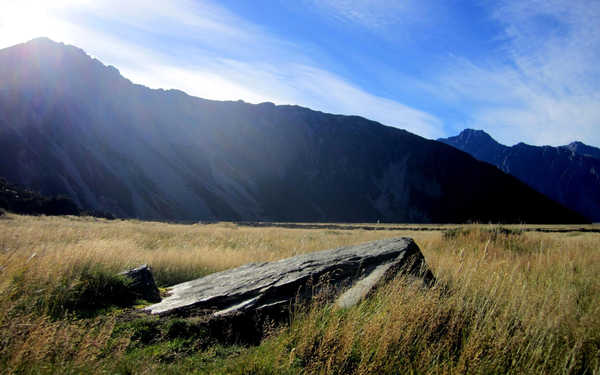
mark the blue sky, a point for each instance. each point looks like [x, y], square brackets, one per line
[521, 70]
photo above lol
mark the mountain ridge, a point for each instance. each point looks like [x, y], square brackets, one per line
[567, 174]
[74, 126]
[582, 149]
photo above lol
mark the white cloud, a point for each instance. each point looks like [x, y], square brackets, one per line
[327, 92]
[546, 92]
[205, 50]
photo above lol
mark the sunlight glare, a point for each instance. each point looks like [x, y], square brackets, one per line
[24, 20]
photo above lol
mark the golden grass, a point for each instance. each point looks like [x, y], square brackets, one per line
[50, 246]
[526, 303]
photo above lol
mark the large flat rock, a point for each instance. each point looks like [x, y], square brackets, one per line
[352, 271]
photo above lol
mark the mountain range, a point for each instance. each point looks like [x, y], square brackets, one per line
[568, 174]
[71, 125]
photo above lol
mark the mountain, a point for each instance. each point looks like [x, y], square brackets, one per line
[569, 174]
[71, 125]
[23, 201]
[583, 149]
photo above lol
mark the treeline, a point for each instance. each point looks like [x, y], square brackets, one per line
[20, 200]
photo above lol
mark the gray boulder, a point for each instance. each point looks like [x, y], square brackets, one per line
[345, 274]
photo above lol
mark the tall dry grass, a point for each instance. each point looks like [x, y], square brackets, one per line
[503, 304]
[44, 261]
[520, 303]
[46, 247]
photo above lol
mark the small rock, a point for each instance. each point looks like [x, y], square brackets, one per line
[142, 283]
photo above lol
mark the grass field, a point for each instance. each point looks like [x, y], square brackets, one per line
[505, 301]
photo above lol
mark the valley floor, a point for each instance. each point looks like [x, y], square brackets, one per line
[508, 299]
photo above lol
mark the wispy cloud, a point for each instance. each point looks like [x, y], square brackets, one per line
[538, 82]
[389, 20]
[207, 51]
[544, 89]
[373, 14]
[296, 84]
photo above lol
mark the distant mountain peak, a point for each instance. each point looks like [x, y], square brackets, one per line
[476, 134]
[47, 43]
[566, 174]
[42, 62]
[41, 39]
[472, 138]
[469, 131]
[581, 148]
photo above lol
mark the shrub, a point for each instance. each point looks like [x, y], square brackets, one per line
[88, 292]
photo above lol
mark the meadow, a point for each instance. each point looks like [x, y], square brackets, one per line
[507, 300]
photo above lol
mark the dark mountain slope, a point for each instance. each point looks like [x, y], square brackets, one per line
[69, 124]
[567, 174]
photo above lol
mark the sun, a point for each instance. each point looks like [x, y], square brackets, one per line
[23, 20]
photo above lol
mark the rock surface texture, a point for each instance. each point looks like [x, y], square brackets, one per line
[270, 288]
[142, 283]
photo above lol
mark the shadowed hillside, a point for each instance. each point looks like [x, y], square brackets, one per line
[71, 125]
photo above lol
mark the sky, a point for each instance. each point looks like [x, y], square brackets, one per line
[522, 70]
